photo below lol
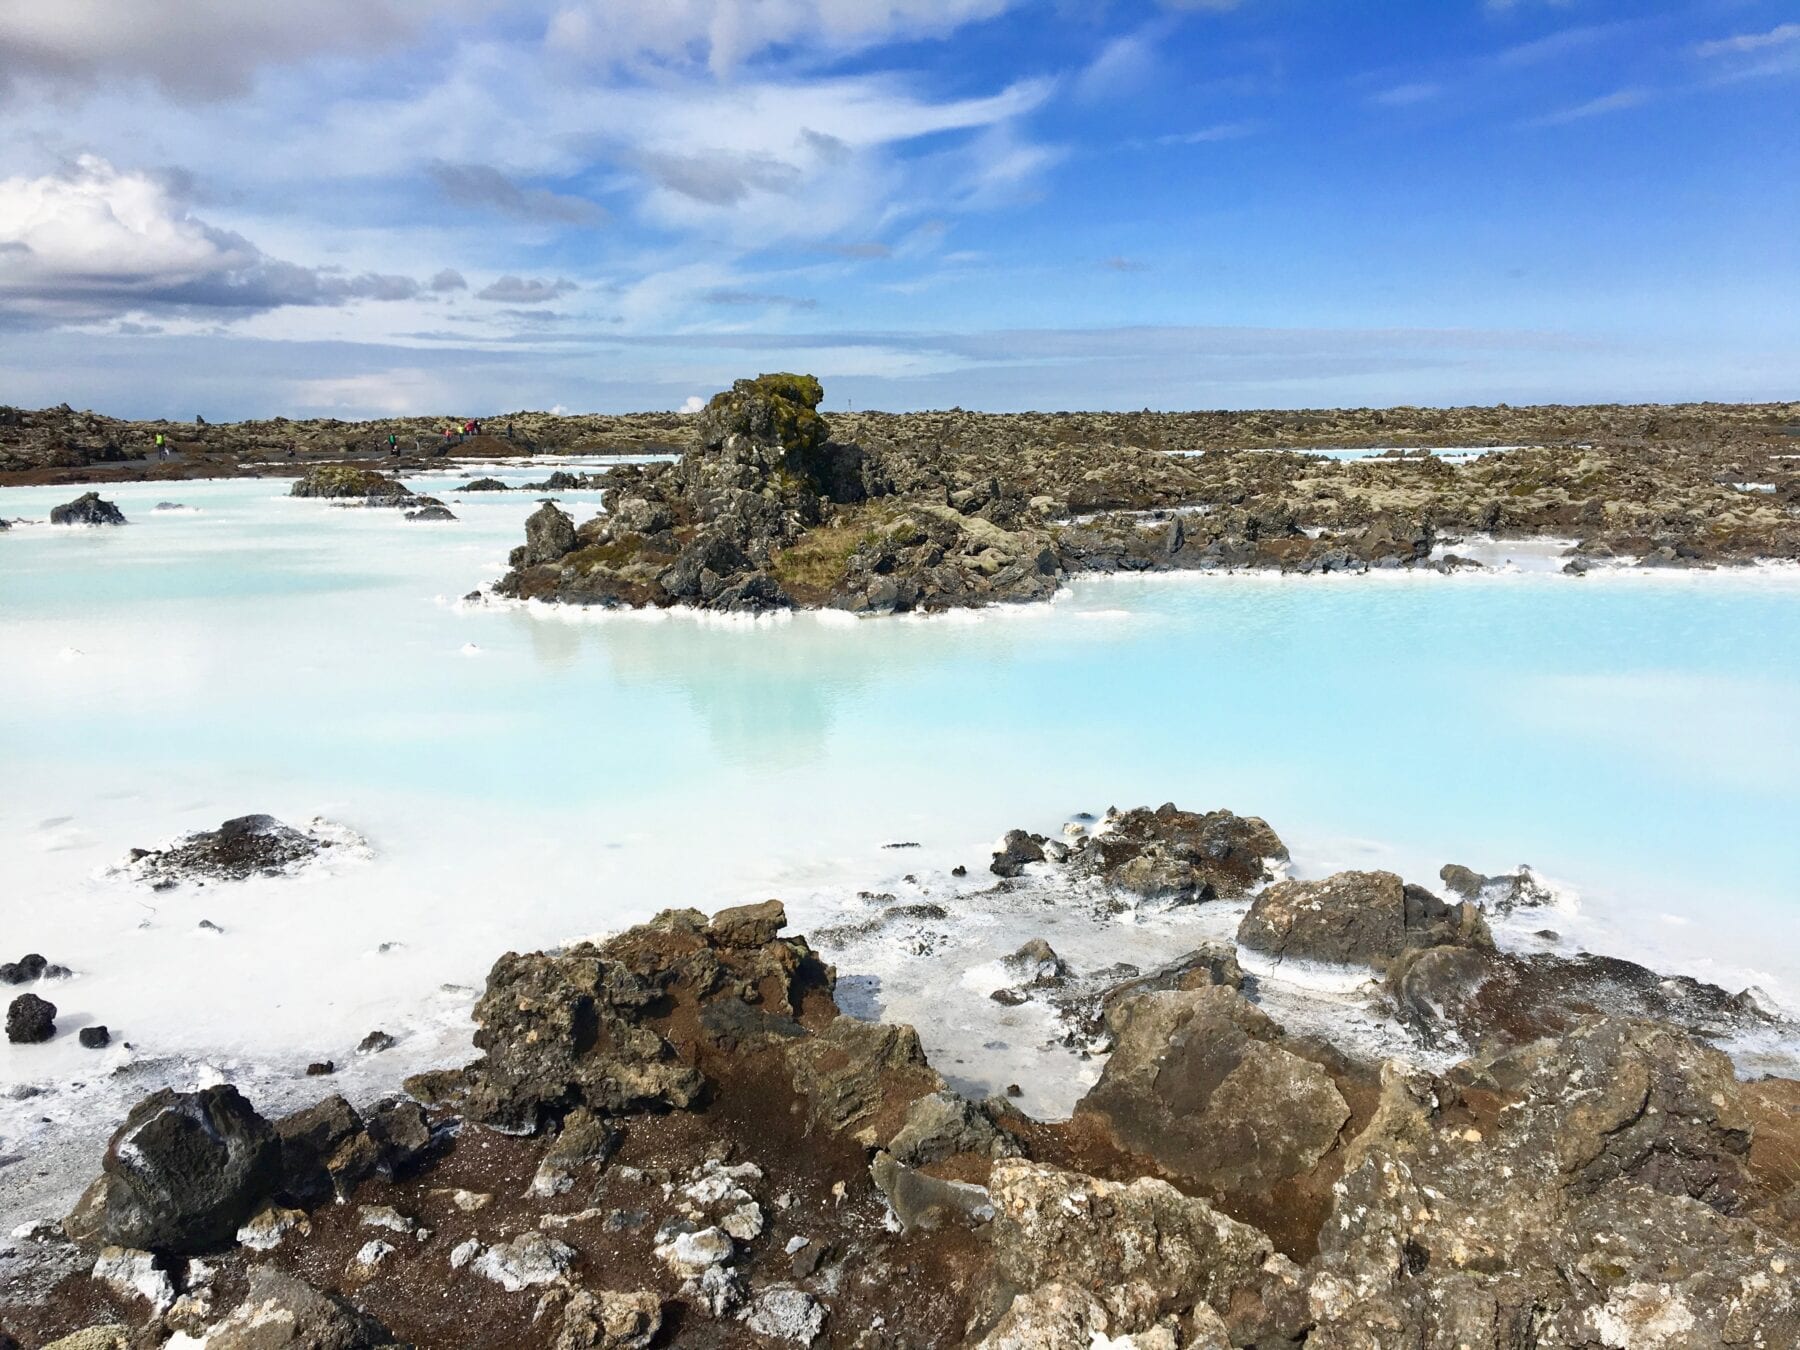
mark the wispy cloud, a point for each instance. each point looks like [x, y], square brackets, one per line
[1405, 95]
[758, 299]
[1619, 101]
[1563, 43]
[1745, 56]
[1218, 131]
[482, 185]
[1117, 263]
[1785, 35]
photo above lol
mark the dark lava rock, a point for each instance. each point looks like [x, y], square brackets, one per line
[483, 485]
[324, 1151]
[1356, 918]
[549, 535]
[431, 513]
[348, 481]
[584, 1027]
[1017, 850]
[375, 1042]
[87, 509]
[95, 1037]
[184, 1171]
[244, 847]
[30, 1019]
[26, 969]
[319, 1068]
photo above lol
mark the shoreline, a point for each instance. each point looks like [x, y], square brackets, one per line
[1075, 1010]
[969, 923]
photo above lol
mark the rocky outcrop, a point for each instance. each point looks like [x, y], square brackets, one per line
[1166, 854]
[723, 1157]
[588, 1027]
[1182, 856]
[1142, 1251]
[347, 482]
[87, 509]
[240, 848]
[1357, 919]
[1574, 1192]
[769, 512]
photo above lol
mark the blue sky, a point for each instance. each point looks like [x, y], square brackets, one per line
[354, 207]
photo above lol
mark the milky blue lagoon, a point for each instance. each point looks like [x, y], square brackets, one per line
[526, 775]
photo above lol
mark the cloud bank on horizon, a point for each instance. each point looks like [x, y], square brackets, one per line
[362, 206]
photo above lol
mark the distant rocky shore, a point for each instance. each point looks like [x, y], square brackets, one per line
[676, 1137]
[771, 511]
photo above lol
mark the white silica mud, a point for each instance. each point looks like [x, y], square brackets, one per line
[524, 776]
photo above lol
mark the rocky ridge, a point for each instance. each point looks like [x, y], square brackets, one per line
[772, 510]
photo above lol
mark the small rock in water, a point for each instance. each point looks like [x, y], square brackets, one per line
[319, 1068]
[374, 1043]
[207, 925]
[959, 871]
[95, 1037]
[26, 969]
[87, 509]
[30, 1020]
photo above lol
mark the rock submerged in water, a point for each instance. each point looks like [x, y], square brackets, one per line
[87, 509]
[344, 482]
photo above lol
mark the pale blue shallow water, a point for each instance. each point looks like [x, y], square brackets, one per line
[1636, 736]
[525, 776]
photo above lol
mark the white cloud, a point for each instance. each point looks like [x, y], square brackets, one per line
[1743, 44]
[1406, 95]
[1595, 107]
[1122, 67]
[512, 290]
[726, 33]
[693, 405]
[95, 242]
[205, 48]
[1218, 131]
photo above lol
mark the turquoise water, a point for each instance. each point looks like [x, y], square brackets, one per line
[1634, 736]
[525, 776]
